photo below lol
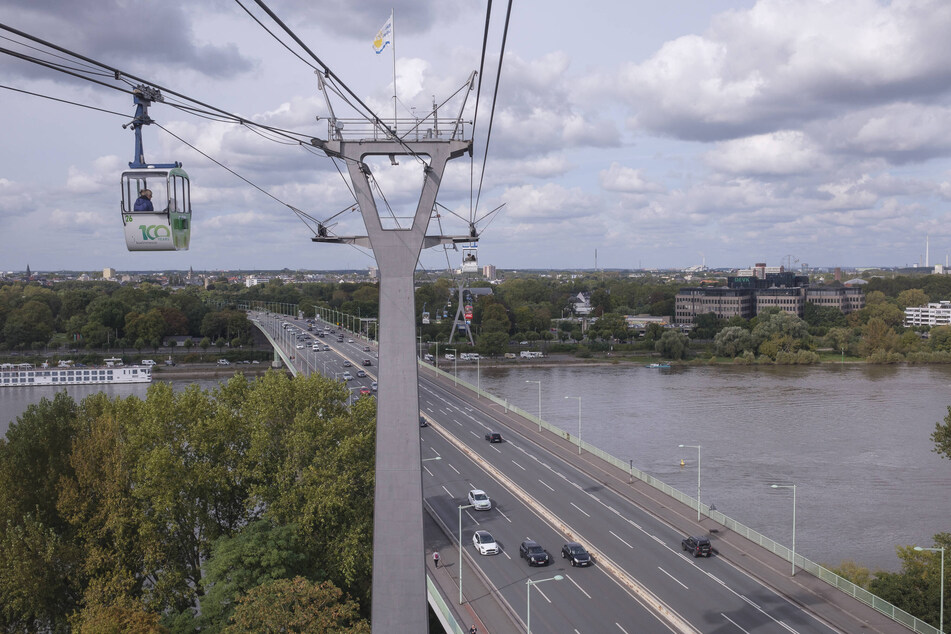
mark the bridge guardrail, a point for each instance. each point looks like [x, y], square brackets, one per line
[895, 613]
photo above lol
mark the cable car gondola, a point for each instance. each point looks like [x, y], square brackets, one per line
[163, 221]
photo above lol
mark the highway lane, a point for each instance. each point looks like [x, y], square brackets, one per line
[710, 593]
[588, 600]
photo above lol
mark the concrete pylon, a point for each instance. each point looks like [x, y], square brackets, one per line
[399, 564]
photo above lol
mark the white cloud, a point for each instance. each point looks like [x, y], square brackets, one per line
[779, 153]
[625, 179]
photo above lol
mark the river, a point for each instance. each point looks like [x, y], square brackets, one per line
[854, 439]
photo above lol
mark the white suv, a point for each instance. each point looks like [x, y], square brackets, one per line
[485, 543]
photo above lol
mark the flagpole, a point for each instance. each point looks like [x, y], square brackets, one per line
[393, 43]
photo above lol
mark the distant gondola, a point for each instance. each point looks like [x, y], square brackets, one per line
[163, 222]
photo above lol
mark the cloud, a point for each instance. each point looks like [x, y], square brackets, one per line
[782, 64]
[781, 153]
[624, 179]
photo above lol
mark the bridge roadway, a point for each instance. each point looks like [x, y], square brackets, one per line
[641, 581]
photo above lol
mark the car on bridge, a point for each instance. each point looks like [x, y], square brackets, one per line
[347, 376]
[347, 364]
[532, 552]
[364, 391]
[697, 546]
[485, 543]
[479, 500]
[576, 554]
[361, 374]
[493, 436]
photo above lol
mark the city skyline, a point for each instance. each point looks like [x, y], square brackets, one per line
[724, 133]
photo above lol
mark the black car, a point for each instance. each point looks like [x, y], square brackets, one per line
[367, 362]
[533, 553]
[576, 554]
[698, 546]
[493, 436]
[422, 422]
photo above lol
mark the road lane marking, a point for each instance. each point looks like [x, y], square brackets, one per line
[568, 577]
[620, 628]
[673, 577]
[447, 491]
[612, 532]
[546, 486]
[734, 623]
[576, 506]
[518, 465]
[473, 433]
[427, 470]
[453, 468]
[544, 596]
[504, 515]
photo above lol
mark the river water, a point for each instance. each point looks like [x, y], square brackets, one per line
[854, 439]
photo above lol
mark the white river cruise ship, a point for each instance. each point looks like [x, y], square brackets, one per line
[66, 373]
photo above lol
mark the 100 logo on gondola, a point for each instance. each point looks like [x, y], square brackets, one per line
[155, 232]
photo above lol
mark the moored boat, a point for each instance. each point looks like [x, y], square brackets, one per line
[26, 374]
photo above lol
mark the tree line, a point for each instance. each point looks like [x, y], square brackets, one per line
[214, 511]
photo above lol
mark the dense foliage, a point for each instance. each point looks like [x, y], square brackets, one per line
[173, 510]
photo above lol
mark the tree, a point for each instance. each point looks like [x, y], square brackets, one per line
[940, 338]
[877, 336]
[297, 605]
[732, 341]
[492, 343]
[705, 326]
[915, 588]
[673, 344]
[942, 436]
[912, 297]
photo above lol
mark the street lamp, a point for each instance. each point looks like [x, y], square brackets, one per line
[461, 506]
[793, 487]
[528, 599]
[455, 361]
[941, 617]
[539, 403]
[579, 420]
[697, 447]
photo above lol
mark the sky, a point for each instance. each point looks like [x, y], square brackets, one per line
[623, 135]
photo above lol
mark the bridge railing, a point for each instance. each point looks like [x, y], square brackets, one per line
[896, 614]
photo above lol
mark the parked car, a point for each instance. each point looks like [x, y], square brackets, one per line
[485, 543]
[479, 500]
[698, 546]
[533, 553]
[576, 554]
[493, 436]
[223, 362]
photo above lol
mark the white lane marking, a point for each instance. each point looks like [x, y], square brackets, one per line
[620, 628]
[496, 448]
[672, 577]
[577, 507]
[472, 518]
[612, 532]
[453, 468]
[425, 468]
[568, 577]
[518, 465]
[473, 433]
[734, 623]
[544, 596]
[504, 515]
[507, 555]
[546, 486]
[447, 491]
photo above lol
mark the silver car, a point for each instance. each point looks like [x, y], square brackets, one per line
[479, 500]
[485, 543]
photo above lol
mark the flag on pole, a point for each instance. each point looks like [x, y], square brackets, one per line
[383, 36]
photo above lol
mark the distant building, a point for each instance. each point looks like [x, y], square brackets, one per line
[254, 281]
[108, 273]
[581, 304]
[722, 301]
[936, 314]
[488, 271]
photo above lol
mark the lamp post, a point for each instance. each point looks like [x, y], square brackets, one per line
[479, 377]
[455, 360]
[528, 599]
[697, 447]
[579, 421]
[793, 487]
[420, 350]
[539, 402]
[941, 617]
[461, 506]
